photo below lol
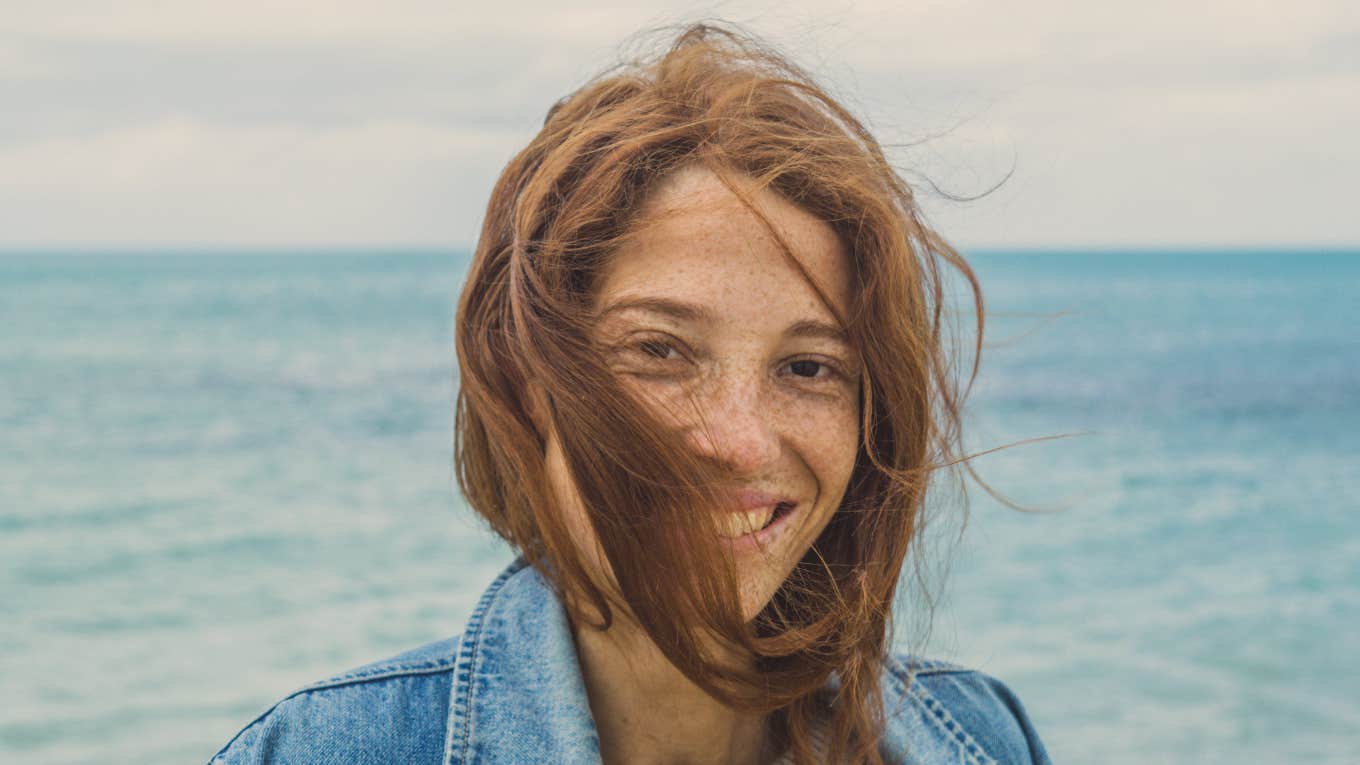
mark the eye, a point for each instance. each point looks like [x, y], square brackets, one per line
[657, 349]
[651, 355]
[806, 368]
[810, 369]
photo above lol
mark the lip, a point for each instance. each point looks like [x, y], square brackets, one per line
[745, 500]
[761, 540]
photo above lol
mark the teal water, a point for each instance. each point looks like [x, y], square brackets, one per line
[225, 475]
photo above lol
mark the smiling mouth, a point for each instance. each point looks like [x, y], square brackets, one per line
[738, 525]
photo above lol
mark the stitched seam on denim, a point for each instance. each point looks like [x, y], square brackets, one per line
[943, 671]
[456, 694]
[907, 673]
[424, 668]
[969, 748]
[460, 706]
[432, 668]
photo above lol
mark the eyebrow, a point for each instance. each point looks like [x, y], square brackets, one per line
[683, 311]
[676, 309]
[818, 329]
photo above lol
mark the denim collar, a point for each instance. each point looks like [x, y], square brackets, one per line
[518, 691]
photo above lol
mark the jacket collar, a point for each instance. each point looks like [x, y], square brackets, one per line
[518, 691]
[517, 686]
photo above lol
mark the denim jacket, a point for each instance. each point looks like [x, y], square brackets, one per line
[509, 691]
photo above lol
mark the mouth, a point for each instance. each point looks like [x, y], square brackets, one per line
[757, 527]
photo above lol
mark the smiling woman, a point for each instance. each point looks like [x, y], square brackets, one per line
[704, 389]
[706, 319]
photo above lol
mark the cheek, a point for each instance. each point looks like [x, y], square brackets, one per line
[829, 442]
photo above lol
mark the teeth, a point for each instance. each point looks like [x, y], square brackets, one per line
[735, 525]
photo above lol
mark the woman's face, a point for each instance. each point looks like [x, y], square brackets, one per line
[705, 317]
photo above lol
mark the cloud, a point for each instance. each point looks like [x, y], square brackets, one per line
[297, 123]
[1254, 163]
[180, 181]
[303, 22]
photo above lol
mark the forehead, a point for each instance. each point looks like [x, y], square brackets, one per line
[695, 238]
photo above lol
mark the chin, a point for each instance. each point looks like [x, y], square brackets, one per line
[760, 575]
[759, 582]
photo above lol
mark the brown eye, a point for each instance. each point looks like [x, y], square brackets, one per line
[805, 368]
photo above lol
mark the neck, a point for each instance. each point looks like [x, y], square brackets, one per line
[646, 711]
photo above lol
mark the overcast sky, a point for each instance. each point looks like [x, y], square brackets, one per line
[311, 124]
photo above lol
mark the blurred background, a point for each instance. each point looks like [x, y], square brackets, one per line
[232, 236]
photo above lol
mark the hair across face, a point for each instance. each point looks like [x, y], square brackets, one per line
[703, 302]
[702, 317]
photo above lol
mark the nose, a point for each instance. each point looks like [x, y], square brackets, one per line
[736, 427]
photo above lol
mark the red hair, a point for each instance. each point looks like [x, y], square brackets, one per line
[560, 208]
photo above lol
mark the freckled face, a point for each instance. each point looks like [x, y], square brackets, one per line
[705, 315]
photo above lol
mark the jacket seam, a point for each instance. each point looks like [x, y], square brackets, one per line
[386, 673]
[941, 671]
[971, 750]
[428, 667]
[460, 703]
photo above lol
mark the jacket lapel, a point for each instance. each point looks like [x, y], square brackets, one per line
[518, 695]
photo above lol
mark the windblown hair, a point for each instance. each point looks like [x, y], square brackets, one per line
[722, 100]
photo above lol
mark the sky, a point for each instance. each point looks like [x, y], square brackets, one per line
[287, 124]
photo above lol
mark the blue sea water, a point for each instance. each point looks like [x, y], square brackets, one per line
[223, 475]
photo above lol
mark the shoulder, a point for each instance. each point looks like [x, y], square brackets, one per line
[963, 714]
[393, 710]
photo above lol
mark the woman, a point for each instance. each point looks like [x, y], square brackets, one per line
[703, 388]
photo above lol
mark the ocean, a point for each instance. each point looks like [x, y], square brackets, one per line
[224, 475]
